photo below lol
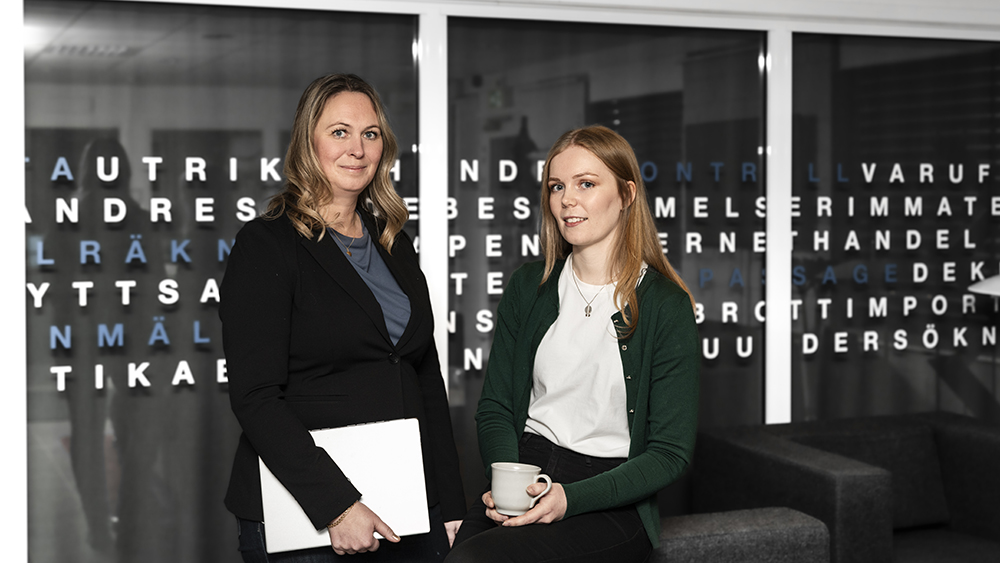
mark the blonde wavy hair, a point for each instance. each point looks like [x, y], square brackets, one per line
[306, 187]
[636, 239]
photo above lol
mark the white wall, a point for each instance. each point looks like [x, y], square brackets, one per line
[13, 411]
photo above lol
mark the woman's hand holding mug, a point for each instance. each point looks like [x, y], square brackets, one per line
[515, 490]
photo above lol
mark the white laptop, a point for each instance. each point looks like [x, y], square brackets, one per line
[390, 477]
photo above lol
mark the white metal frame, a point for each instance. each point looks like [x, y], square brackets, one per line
[941, 19]
[13, 344]
[778, 291]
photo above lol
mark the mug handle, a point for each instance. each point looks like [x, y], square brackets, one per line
[548, 488]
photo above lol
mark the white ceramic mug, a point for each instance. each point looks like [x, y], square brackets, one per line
[510, 481]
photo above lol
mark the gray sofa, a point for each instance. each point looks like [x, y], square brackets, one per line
[906, 488]
[763, 535]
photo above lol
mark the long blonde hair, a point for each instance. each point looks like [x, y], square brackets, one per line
[635, 237]
[306, 187]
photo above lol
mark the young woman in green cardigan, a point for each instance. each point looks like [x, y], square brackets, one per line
[593, 374]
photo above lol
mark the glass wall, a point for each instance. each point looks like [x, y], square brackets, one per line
[153, 133]
[896, 182]
[691, 104]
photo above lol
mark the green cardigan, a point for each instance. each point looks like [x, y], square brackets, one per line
[660, 361]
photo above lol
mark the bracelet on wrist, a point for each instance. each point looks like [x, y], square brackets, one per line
[340, 518]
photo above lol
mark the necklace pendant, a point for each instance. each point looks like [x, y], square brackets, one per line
[349, 252]
[587, 310]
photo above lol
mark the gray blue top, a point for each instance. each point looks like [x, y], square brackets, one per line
[369, 265]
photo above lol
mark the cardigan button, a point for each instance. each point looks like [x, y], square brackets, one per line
[624, 347]
[393, 358]
[628, 377]
[631, 411]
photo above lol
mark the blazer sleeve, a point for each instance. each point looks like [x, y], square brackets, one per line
[258, 292]
[437, 411]
[446, 472]
[672, 419]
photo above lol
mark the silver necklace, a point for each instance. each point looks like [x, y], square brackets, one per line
[576, 282]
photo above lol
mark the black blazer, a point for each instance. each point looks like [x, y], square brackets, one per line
[306, 347]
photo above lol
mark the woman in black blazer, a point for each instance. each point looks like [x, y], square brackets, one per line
[327, 322]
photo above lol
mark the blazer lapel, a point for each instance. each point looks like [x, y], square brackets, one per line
[404, 277]
[335, 263]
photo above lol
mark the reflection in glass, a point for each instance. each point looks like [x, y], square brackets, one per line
[153, 133]
[690, 103]
[895, 170]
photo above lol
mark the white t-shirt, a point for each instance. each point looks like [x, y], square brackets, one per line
[578, 387]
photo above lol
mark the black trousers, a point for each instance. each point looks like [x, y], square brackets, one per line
[610, 535]
[421, 548]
